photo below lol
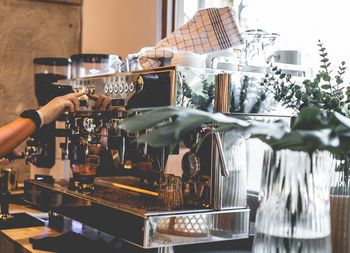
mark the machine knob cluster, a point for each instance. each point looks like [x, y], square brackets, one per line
[119, 88]
[112, 85]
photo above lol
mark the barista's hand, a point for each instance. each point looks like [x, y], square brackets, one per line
[52, 110]
[102, 102]
[4, 161]
[9, 158]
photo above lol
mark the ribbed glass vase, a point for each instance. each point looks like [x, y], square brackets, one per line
[294, 210]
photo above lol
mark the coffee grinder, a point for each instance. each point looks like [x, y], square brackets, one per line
[43, 150]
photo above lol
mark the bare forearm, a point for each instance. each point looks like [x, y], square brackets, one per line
[17, 131]
[14, 133]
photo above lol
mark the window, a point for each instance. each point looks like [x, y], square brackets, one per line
[299, 23]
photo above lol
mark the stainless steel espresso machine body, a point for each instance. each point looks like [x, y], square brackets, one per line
[95, 144]
[118, 180]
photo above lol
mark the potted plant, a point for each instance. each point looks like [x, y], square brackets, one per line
[330, 95]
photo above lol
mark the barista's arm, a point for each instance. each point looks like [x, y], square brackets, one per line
[14, 133]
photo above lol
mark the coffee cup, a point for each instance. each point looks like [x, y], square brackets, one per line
[286, 57]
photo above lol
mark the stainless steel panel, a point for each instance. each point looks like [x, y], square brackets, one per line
[192, 228]
[138, 222]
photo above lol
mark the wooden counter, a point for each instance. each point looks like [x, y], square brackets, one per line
[17, 240]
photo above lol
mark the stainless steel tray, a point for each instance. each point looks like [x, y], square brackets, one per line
[138, 218]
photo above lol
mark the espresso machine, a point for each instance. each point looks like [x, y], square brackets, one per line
[155, 197]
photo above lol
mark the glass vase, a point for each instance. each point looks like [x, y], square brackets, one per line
[294, 210]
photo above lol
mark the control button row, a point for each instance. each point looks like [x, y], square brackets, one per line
[119, 88]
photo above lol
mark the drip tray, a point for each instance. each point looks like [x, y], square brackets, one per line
[137, 217]
[21, 220]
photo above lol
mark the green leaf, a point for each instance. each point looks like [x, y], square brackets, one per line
[308, 118]
[319, 139]
[185, 120]
[148, 119]
[307, 82]
[298, 93]
[304, 97]
[339, 122]
[326, 86]
[162, 136]
[326, 78]
[312, 130]
[339, 81]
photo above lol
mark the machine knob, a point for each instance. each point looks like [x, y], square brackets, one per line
[116, 89]
[126, 87]
[131, 87]
[106, 89]
[111, 89]
[121, 88]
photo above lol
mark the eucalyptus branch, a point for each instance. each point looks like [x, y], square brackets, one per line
[320, 91]
[326, 64]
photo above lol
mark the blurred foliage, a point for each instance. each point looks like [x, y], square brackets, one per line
[324, 91]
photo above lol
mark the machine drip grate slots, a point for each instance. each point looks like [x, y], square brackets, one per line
[129, 199]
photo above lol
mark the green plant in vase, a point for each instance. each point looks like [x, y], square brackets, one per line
[328, 93]
[294, 205]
